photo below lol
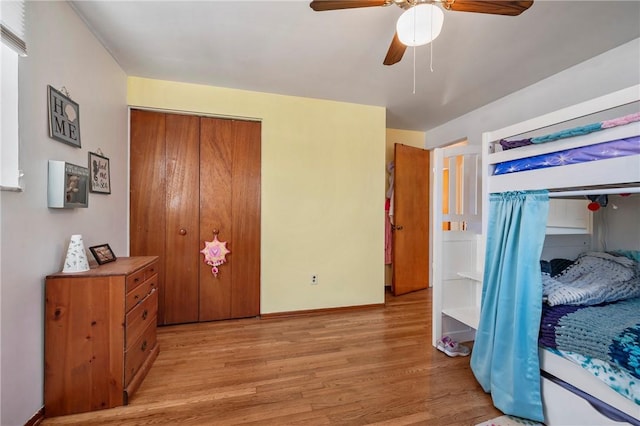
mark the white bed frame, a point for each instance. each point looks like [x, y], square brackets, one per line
[561, 406]
[614, 171]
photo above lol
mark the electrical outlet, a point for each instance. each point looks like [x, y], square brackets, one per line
[314, 279]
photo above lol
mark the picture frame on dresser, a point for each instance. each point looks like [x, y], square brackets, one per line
[103, 254]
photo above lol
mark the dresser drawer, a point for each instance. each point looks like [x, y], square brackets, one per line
[135, 356]
[150, 270]
[140, 317]
[140, 292]
[134, 280]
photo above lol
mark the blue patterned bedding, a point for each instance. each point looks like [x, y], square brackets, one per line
[616, 378]
[569, 133]
[604, 339]
[593, 278]
[611, 149]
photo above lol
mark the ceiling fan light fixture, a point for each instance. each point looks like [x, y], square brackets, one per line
[420, 25]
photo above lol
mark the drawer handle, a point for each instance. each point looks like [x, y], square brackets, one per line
[137, 296]
[136, 280]
[144, 314]
[182, 231]
[144, 346]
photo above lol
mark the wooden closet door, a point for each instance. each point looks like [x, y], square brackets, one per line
[216, 155]
[245, 206]
[147, 192]
[182, 224]
[230, 203]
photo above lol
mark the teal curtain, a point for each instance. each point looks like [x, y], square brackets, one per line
[505, 353]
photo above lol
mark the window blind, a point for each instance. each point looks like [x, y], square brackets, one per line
[12, 25]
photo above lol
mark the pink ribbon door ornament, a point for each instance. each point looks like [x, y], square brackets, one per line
[214, 253]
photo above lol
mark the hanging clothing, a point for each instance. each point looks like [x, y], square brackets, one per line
[388, 235]
[391, 169]
[388, 218]
[505, 353]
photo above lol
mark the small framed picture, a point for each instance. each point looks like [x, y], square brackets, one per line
[103, 253]
[100, 173]
[64, 118]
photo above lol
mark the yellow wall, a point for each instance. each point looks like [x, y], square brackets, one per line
[323, 177]
[405, 137]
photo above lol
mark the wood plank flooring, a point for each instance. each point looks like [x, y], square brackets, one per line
[374, 366]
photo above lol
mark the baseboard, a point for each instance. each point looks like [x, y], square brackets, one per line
[36, 419]
[310, 312]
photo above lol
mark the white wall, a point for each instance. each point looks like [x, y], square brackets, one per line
[62, 52]
[613, 70]
[622, 231]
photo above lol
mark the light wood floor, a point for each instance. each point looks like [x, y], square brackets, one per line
[361, 367]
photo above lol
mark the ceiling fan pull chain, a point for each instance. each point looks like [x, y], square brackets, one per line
[414, 51]
[431, 56]
[431, 44]
[414, 70]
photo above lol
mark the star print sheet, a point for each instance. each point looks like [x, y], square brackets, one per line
[601, 151]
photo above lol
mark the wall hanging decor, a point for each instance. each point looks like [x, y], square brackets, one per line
[103, 254]
[64, 117]
[68, 185]
[215, 252]
[100, 173]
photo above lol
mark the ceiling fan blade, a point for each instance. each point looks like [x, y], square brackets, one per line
[510, 8]
[321, 5]
[395, 52]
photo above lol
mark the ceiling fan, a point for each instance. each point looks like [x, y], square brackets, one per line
[399, 42]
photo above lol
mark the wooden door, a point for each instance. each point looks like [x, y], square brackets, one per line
[245, 205]
[230, 204]
[190, 176]
[411, 220]
[147, 192]
[181, 286]
[164, 208]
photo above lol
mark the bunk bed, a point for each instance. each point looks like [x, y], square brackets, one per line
[547, 154]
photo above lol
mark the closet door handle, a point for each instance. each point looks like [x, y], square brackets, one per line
[397, 228]
[182, 231]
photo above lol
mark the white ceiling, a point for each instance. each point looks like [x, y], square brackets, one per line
[285, 47]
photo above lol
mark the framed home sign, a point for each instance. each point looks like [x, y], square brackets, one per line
[64, 118]
[100, 173]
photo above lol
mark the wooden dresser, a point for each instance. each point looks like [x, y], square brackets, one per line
[100, 334]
